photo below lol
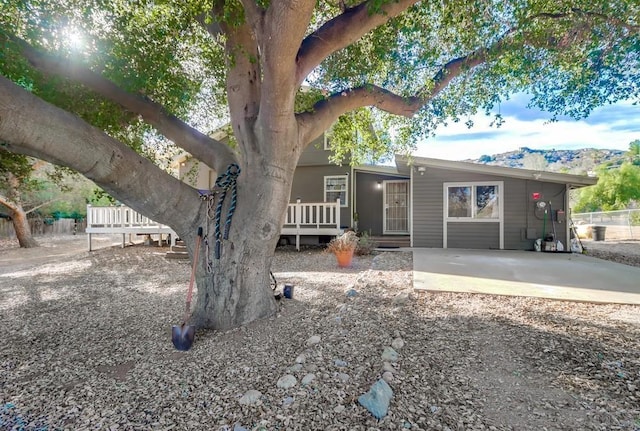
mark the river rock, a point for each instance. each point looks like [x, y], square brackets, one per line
[313, 340]
[389, 354]
[286, 381]
[308, 379]
[250, 397]
[377, 399]
[397, 343]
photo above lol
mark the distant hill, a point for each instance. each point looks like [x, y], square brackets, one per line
[578, 162]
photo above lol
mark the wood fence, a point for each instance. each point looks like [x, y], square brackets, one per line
[41, 227]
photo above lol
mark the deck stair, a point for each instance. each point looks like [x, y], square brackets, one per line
[178, 251]
[392, 241]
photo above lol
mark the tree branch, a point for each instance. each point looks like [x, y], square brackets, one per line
[288, 22]
[617, 22]
[31, 126]
[4, 200]
[325, 112]
[210, 151]
[253, 14]
[41, 205]
[342, 31]
[244, 81]
[213, 27]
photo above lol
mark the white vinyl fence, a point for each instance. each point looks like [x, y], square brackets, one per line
[622, 224]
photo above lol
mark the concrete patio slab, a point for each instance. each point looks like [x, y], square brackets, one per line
[563, 276]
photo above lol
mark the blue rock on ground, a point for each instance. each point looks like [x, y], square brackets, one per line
[377, 399]
[351, 293]
[389, 354]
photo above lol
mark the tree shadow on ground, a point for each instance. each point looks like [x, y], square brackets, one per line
[469, 361]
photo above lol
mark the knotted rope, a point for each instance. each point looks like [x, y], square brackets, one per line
[224, 183]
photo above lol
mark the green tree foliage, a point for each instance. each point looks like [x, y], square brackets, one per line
[38, 186]
[615, 190]
[634, 152]
[18, 166]
[571, 55]
[17, 182]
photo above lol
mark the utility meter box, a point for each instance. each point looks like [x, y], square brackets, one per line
[561, 216]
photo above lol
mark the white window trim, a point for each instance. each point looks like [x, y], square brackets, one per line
[327, 145]
[473, 184]
[346, 189]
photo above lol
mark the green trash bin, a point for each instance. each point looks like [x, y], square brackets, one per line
[599, 232]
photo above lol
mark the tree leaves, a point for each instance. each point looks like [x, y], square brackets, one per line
[571, 55]
[617, 187]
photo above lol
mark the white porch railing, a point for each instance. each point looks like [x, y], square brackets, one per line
[122, 220]
[117, 216]
[312, 218]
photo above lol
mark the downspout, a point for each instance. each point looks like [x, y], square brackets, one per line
[352, 185]
[567, 219]
[411, 207]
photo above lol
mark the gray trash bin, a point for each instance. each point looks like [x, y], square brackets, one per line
[599, 232]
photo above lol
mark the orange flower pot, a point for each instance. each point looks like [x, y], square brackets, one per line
[344, 258]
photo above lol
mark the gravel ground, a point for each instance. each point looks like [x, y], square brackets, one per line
[621, 251]
[87, 346]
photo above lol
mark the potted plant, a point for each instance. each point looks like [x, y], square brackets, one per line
[343, 247]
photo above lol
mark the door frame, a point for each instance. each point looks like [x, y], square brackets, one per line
[385, 207]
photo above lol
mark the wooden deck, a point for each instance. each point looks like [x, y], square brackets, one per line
[309, 218]
[312, 218]
[123, 220]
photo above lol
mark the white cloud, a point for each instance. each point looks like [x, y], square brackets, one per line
[612, 127]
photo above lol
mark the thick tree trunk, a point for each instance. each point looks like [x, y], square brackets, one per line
[237, 290]
[18, 215]
[22, 228]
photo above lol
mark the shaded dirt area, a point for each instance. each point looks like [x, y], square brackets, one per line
[87, 346]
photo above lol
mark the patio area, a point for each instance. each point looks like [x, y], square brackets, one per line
[563, 276]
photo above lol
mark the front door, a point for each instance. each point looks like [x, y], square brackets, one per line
[396, 207]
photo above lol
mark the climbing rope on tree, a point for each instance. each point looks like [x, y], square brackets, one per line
[225, 183]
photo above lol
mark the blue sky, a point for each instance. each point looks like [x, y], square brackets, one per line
[610, 127]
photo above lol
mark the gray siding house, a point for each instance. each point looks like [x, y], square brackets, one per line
[469, 205]
[421, 202]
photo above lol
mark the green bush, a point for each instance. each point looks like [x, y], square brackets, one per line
[365, 244]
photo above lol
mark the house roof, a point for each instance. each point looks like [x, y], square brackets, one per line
[405, 164]
[380, 169]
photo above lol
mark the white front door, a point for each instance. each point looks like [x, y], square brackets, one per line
[396, 207]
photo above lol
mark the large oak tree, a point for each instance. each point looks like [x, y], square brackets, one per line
[404, 65]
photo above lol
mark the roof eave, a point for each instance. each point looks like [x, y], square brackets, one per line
[575, 181]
